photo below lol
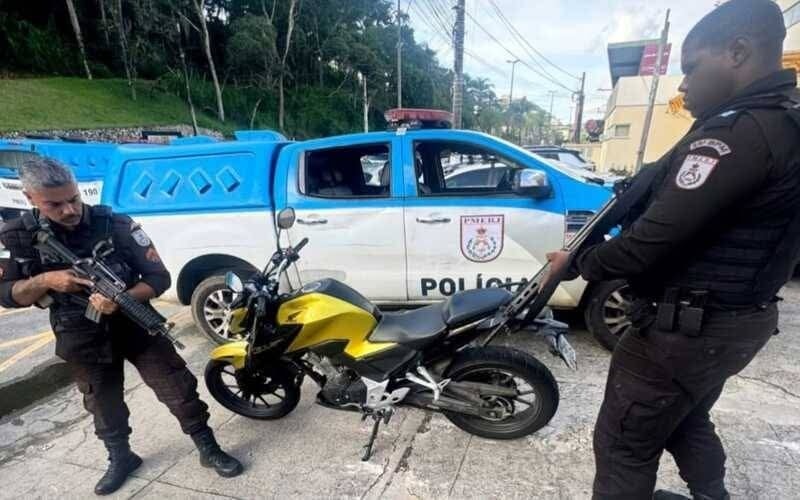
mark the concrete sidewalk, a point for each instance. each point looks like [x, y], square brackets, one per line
[50, 451]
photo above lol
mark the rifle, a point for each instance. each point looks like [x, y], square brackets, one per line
[532, 298]
[107, 284]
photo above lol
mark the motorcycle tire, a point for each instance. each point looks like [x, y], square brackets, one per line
[247, 401]
[478, 364]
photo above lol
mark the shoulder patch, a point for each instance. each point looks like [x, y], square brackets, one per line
[139, 236]
[720, 147]
[694, 171]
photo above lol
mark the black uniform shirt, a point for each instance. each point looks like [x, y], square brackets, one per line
[130, 241]
[718, 166]
[134, 259]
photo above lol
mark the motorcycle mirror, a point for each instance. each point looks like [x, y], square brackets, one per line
[286, 218]
[234, 282]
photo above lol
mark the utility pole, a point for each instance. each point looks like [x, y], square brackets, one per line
[366, 102]
[458, 66]
[576, 134]
[511, 90]
[399, 58]
[648, 117]
[550, 115]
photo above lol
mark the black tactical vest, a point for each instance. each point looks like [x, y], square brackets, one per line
[78, 338]
[752, 251]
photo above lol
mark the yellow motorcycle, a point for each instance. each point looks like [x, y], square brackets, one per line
[371, 361]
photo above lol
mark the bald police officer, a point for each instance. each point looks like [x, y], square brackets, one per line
[717, 239]
[95, 352]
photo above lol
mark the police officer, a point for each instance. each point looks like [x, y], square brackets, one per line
[95, 351]
[717, 239]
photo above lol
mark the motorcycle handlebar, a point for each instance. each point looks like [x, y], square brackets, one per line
[300, 245]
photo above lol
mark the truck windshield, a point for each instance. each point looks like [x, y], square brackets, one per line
[13, 160]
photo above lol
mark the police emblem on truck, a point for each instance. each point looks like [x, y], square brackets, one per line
[482, 237]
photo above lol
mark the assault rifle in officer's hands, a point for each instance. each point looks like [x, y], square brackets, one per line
[109, 285]
[531, 298]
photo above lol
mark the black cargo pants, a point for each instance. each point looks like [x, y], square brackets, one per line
[660, 389]
[160, 367]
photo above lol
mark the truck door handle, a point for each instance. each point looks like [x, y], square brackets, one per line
[312, 222]
[433, 220]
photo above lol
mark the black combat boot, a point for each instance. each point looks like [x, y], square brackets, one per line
[714, 491]
[122, 461]
[212, 456]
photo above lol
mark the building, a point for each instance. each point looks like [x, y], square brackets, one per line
[791, 16]
[625, 118]
[627, 105]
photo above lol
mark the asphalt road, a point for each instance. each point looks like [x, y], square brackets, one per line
[27, 342]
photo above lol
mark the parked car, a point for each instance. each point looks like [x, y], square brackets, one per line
[407, 217]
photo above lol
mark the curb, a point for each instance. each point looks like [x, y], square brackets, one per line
[38, 383]
[47, 378]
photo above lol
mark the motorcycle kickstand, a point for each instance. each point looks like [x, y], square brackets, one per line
[378, 417]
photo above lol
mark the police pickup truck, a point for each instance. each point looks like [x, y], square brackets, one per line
[406, 217]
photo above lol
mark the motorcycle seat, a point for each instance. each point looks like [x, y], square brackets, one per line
[472, 305]
[415, 329]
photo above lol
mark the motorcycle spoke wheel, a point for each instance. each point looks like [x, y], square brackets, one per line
[252, 394]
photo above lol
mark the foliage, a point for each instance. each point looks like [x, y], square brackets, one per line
[64, 103]
[334, 45]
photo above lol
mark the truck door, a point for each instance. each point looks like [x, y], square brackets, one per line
[348, 202]
[465, 227]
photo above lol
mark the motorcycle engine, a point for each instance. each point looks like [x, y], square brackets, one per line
[345, 388]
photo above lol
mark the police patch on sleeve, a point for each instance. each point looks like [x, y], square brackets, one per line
[694, 171]
[720, 147]
[140, 237]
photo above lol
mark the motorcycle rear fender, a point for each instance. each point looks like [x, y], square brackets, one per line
[235, 353]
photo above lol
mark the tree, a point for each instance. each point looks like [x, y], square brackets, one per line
[76, 27]
[282, 76]
[122, 36]
[201, 16]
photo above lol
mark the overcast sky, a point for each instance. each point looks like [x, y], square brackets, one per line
[571, 33]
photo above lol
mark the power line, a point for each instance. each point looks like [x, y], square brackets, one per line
[512, 54]
[522, 43]
[514, 30]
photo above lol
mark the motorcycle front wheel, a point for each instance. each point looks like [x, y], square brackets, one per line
[531, 409]
[263, 395]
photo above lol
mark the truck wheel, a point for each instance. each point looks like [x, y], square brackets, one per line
[606, 312]
[211, 302]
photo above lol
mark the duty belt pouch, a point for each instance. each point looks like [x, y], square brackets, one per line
[667, 310]
[691, 316]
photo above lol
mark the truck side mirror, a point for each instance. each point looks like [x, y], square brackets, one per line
[533, 183]
[286, 218]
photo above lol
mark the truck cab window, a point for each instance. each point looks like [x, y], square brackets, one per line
[351, 172]
[451, 168]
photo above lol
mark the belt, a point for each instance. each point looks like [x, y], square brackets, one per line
[683, 311]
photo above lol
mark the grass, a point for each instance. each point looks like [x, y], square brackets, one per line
[75, 103]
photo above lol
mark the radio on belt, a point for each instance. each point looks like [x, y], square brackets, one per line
[418, 118]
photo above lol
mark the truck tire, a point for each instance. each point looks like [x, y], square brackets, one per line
[606, 312]
[209, 309]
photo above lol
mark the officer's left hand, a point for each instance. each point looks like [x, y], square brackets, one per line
[102, 304]
[558, 260]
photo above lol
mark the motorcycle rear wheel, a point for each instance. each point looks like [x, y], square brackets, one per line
[263, 396]
[532, 409]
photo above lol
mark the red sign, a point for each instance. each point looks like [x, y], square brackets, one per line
[647, 66]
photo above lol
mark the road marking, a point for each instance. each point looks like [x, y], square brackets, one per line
[4, 312]
[40, 340]
[25, 352]
[24, 340]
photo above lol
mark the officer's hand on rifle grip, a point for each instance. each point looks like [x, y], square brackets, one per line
[102, 304]
[557, 261]
[66, 281]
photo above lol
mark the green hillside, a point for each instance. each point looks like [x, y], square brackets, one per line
[66, 103]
